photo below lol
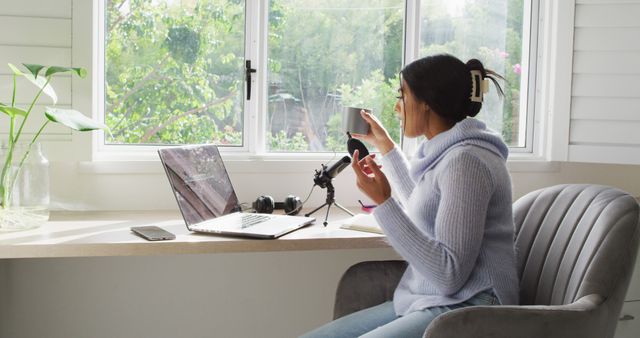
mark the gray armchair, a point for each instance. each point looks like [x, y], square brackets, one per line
[576, 246]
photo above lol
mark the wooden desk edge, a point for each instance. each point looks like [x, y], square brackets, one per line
[186, 248]
[63, 238]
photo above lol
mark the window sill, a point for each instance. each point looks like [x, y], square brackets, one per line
[520, 163]
[281, 164]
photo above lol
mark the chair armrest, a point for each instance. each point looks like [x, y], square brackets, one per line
[367, 284]
[578, 319]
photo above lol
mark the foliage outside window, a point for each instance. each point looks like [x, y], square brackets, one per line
[175, 68]
[491, 31]
[325, 55]
[174, 71]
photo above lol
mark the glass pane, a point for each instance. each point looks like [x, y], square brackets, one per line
[491, 31]
[326, 55]
[174, 71]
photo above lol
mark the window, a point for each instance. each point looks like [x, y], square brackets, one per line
[175, 71]
[491, 31]
[347, 53]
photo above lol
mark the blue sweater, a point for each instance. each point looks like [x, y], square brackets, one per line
[450, 217]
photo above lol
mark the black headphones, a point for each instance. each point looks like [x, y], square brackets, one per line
[265, 204]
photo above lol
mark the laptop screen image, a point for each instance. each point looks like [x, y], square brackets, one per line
[200, 182]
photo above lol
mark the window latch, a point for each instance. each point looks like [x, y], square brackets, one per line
[248, 71]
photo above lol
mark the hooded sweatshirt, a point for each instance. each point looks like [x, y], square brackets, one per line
[450, 217]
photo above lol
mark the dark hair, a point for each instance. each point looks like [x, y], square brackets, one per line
[444, 83]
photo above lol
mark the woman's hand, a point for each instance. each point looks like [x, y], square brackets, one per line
[378, 136]
[370, 179]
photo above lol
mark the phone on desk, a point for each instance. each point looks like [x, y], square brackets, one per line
[153, 233]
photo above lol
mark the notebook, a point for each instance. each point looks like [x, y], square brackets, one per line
[207, 200]
[362, 222]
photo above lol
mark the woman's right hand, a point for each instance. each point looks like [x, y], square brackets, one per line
[370, 179]
[378, 136]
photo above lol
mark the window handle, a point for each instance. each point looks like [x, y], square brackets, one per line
[248, 71]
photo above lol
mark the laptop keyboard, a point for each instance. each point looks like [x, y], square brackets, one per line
[252, 219]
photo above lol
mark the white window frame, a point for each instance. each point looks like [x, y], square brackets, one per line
[537, 144]
[103, 152]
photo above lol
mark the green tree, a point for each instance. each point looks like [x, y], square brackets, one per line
[174, 72]
[489, 30]
[332, 50]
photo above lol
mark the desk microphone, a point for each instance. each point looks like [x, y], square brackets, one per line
[354, 144]
[323, 180]
[324, 176]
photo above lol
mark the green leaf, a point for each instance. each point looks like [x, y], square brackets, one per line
[55, 69]
[15, 69]
[184, 44]
[34, 69]
[72, 119]
[11, 111]
[41, 83]
[38, 82]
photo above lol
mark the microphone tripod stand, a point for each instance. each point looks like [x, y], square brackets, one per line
[330, 201]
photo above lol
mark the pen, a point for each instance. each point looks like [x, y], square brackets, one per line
[367, 207]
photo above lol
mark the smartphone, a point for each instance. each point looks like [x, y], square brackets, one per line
[153, 233]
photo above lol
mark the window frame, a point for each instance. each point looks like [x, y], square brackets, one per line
[532, 14]
[254, 146]
[529, 57]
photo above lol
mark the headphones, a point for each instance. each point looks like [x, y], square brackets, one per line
[265, 204]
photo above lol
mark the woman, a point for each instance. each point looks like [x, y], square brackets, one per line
[447, 211]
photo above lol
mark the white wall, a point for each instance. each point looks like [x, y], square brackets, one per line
[150, 191]
[35, 32]
[103, 297]
[605, 105]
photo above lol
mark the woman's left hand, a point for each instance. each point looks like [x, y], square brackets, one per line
[370, 179]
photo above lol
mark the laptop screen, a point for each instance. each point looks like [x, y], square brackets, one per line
[199, 181]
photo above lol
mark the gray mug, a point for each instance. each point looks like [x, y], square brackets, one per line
[353, 122]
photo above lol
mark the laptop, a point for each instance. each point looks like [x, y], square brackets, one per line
[207, 200]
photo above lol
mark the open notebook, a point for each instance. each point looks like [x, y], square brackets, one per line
[362, 222]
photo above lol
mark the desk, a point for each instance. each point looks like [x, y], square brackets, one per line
[89, 234]
[84, 274]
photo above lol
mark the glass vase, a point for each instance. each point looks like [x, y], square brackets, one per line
[25, 187]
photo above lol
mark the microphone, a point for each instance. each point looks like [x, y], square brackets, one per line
[324, 177]
[337, 167]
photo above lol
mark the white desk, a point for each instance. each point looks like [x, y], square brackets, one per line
[54, 276]
[89, 234]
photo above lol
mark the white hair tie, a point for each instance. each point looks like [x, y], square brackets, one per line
[479, 86]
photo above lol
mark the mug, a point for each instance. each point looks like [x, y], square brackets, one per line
[352, 121]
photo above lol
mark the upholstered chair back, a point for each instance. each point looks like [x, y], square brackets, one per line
[575, 240]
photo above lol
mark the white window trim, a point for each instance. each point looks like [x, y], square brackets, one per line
[255, 51]
[552, 93]
[555, 73]
[410, 53]
[528, 80]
